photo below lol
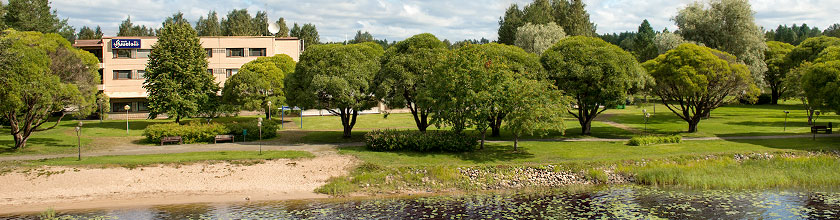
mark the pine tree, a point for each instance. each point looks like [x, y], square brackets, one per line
[208, 26]
[509, 23]
[238, 23]
[283, 30]
[645, 48]
[261, 24]
[35, 15]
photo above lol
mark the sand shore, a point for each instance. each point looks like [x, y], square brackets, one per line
[64, 188]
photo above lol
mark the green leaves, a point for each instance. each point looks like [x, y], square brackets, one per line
[821, 84]
[258, 82]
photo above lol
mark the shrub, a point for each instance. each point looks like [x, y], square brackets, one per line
[395, 140]
[190, 133]
[269, 129]
[649, 140]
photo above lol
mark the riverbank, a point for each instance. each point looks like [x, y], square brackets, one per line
[68, 187]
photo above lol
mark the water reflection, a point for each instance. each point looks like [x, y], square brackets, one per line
[611, 202]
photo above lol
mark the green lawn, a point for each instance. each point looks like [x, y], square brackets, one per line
[143, 160]
[732, 120]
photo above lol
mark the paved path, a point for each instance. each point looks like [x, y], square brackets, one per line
[685, 138]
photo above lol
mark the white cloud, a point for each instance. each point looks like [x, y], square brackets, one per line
[398, 19]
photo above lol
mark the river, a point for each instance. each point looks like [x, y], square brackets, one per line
[610, 202]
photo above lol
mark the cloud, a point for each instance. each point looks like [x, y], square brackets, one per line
[398, 19]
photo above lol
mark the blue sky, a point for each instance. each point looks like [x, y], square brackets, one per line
[396, 20]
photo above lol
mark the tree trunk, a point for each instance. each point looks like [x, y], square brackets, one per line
[515, 142]
[774, 96]
[586, 127]
[692, 125]
[267, 115]
[348, 120]
[810, 117]
[20, 141]
[496, 126]
[177, 119]
[483, 135]
[420, 119]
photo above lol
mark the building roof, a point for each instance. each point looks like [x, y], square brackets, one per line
[88, 43]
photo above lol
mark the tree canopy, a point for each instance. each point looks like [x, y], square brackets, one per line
[176, 74]
[644, 45]
[729, 26]
[209, 26]
[337, 78]
[259, 82]
[129, 29]
[404, 74]
[821, 84]
[693, 80]
[594, 73]
[238, 23]
[777, 68]
[535, 38]
[571, 15]
[283, 30]
[308, 33]
[792, 35]
[86, 33]
[42, 74]
[810, 49]
[35, 15]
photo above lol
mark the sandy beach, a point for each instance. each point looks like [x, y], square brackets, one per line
[63, 188]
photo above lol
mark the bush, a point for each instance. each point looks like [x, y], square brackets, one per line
[762, 99]
[649, 140]
[395, 140]
[190, 133]
[269, 129]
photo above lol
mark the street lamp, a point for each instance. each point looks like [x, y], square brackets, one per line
[647, 115]
[269, 110]
[259, 124]
[79, 138]
[786, 116]
[127, 107]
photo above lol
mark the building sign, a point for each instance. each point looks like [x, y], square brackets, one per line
[125, 43]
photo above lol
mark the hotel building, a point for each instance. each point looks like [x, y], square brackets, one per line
[123, 62]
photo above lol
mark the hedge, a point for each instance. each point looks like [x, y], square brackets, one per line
[396, 140]
[190, 133]
[269, 129]
[650, 140]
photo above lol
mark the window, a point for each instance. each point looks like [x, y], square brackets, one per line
[141, 74]
[230, 72]
[120, 107]
[256, 52]
[122, 54]
[235, 52]
[143, 53]
[142, 106]
[210, 71]
[209, 52]
[122, 74]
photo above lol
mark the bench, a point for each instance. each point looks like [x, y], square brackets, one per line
[173, 139]
[226, 137]
[827, 129]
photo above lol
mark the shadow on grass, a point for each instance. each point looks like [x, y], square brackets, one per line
[490, 153]
[329, 137]
[822, 143]
[7, 146]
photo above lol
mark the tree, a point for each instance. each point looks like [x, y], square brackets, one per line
[577, 20]
[177, 17]
[129, 29]
[537, 38]
[2, 16]
[404, 72]
[209, 26]
[794, 34]
[509, 23]
[693, 80]
[538, 12]
[85, 33]
[308, 33]
[645, 48]
[668, 41]
[594, 73]
[176, 74]
[536, 107]
[793, 84]
[337, 78]
[261, 24]
[36, 15]
[810, 49]
[832, 31]
[42, 75]
[362, 37]
[283, 30]
[238, 23]
[259, 82]
[821, 84]
[729, 26]
[777, 67]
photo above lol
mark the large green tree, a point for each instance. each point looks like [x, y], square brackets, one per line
[259, 82]
[508, 24]
[362, 37]
[36, 15]
[2, 16]
[810, 49]
[832, 31]
[261, 24]
[729, 26]
[792, 34]
[535, 107]
[127, 28]
[821, 84]
[404, 72]
[209, 26]
[238, 23]
[535, 38]
[41, 75]
[596, 74]
[666, 41]
[176, 74]
[777, 68]
[571, 15]
[645, 47]
[283, 30]
[337, 78]
[793, 84]
[693, 80]
[308, 33]
[86, 33]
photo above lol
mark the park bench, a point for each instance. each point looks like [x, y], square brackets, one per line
[827, 129]
[173, 139]
[226, 137]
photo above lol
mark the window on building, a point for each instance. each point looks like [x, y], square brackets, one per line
[235, 52]
[210, 71]
[122, 54]
[122, 74]
[143, 53]
[209, 52]
[256, 52]
[120, 106]
[142, 106]
[230, 72]
[141, 74]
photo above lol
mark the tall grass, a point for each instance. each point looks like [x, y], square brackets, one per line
[816, 171]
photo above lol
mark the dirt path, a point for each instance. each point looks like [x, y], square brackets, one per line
[605, 118]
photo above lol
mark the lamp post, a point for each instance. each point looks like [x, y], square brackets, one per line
[269, 110]
[259, 124]
[646, 115]
[127, 107]
[813, 127]
[786, 116]
[79, 138]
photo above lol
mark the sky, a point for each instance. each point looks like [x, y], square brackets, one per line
[399, 19]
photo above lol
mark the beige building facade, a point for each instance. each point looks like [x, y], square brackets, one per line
[123, 62]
